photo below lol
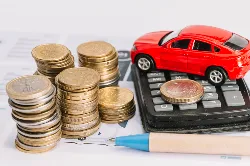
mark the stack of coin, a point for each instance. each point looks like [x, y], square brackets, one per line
[51, 59]
[182, 91]
[32, 99]
[116, 104]
[103, 57]
[77, 99]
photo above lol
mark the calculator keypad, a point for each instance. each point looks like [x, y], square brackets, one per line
[231, 93]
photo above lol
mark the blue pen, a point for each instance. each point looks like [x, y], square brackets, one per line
[186, 143]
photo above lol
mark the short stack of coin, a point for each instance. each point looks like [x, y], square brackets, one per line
[51, 59]
[182, 91]
[116, 104]
[32, 99]
[103, 57]
[77, 99]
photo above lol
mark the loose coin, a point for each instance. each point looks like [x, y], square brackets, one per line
[182, 91]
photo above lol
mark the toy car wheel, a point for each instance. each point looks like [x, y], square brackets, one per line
[144, 62]
[216, 76]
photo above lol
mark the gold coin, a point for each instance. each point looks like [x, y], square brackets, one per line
[95, 49]
[47, 138]
[111, 97]
[182, 91]
[50, 52]
[117, 121]
[32, 149]
[83, 133]
[28, 87]
[78, 78]
[100, 65]
[39, 143]
[77, 95]
[80, 127]
[84, 59]
[79, 119]
[67, 60]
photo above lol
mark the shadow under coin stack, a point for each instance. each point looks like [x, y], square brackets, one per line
[77, 99]
[116, 104]
[103, 57]
[32, 99]
[51, 59]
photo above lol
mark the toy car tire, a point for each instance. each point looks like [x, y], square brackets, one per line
[144, 62]
[216, 76]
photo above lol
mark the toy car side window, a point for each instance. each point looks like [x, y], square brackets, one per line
[182, 44]
[202, 46]
[216, 49]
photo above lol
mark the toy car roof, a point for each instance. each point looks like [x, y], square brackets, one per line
[213, 33]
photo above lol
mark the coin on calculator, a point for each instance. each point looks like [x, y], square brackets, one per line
[182, 91]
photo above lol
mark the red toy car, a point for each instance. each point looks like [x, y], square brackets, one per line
[197, 49]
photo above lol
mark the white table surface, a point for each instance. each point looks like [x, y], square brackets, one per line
[128, 18]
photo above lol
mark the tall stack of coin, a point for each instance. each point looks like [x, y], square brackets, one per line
[116, 104]
[51, 59]
[77, 99]
[32, 99]
[182, 91]
[103, 57]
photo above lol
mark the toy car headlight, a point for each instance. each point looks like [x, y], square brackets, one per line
[134, 48]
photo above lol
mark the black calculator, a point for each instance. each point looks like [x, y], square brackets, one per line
[224, 108]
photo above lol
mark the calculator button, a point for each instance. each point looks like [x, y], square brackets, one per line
[178, 77]
[234, 98]
[204, 82]
[210, 96]
[188, 106]
[158, 100]
[159, 79]
[152, 75]
[177, 74]
[230, 87]
[164, 107]
[230, 82]
[155, 93]
[155, 86]
[209, 89]
[211, 104]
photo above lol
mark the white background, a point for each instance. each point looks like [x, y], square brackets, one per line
[128, 18]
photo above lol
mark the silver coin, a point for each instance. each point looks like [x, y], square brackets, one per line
[38, 124]
[38, 109]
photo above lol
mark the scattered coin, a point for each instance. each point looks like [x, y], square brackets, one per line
[32, 99]
[103, 57]
[182, 91]
[116, 104]
[51, 59]
[77, 100]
